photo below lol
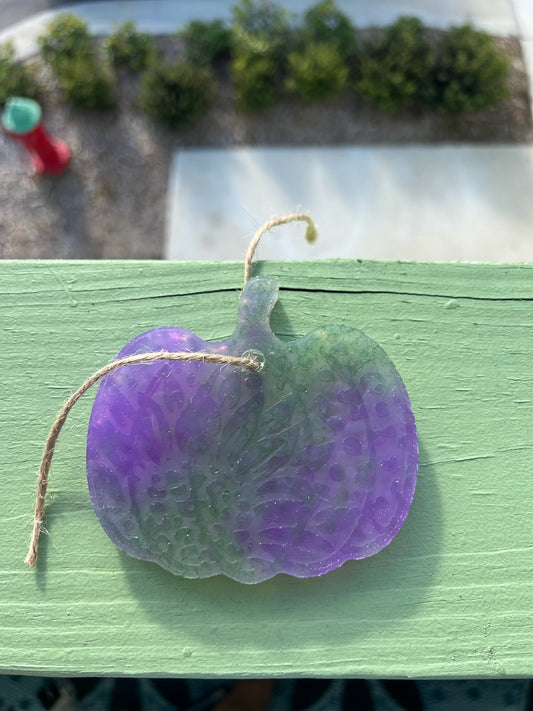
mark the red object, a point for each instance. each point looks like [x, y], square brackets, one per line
[49, 155]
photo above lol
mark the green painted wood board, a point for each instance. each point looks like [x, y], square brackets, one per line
[452, 596]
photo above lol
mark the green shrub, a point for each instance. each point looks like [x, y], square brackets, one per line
[470, 72]
[325, 23]
[67, 37]
[16, 79]
[397, 71]
[176, 94]
[260, 27]
[129, 48]
[260, 34]
[83, 77]
[260, 17]
[317, 71]
[257, 79]
[205, 41]
[86, 83]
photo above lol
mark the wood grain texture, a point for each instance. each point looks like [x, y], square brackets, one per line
[452, 596]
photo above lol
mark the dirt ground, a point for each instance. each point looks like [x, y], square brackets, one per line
[111, 203]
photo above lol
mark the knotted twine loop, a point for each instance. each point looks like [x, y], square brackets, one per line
[249, 363]
[310, 235]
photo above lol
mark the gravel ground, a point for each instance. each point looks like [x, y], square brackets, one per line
[111, 203]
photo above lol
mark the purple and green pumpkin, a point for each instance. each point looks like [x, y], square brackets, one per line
[208, 469]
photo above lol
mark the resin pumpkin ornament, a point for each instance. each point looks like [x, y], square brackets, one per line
[301, 461]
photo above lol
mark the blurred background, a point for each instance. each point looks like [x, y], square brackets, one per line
[172, 129]
[403, 126]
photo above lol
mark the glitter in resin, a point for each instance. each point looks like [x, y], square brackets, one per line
[208, 469]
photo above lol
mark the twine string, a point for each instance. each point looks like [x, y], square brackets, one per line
[310, 235]
[248, 363]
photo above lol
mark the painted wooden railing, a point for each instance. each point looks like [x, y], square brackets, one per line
[452, 596]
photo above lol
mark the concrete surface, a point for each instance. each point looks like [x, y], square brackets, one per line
[445, 202]
[524, 18]
[13, 11]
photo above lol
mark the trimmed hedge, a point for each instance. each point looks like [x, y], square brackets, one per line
[127, 47]
[176, 94]
[316, 72]
[470, 73]
[269, 53]
[260, 27]
[396, 72]
[205, 42]
[324, 23]
[83, 77]
[256, 77]
[86, 83]
[66, 38]
[259, 39]
[16, 78]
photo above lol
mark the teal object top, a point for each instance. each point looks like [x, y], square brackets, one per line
[21, 115]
